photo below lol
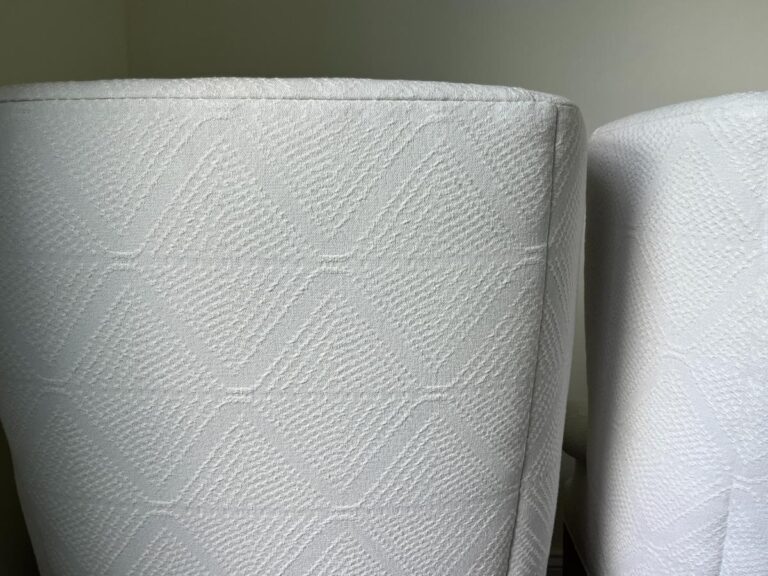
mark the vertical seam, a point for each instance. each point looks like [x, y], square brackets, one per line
[538, 346]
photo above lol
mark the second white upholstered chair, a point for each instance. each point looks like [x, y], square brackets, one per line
[677, 343]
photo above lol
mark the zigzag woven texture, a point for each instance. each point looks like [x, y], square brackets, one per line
[287, 327]
[677, 340]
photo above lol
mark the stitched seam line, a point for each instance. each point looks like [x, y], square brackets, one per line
[282, 99]
[532, 392]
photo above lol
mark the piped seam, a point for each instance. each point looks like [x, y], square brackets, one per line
[532, 391]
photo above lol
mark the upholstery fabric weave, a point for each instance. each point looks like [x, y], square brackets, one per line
[677, 342]
[287, 326]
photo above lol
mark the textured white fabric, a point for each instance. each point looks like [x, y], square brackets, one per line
[287, 327]
[677, 342]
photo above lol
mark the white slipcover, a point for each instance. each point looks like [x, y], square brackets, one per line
[677, 342]
[287, 326]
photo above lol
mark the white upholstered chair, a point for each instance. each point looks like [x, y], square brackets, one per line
[287, 326]
[677, 344]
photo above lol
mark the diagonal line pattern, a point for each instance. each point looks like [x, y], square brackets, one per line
[253, 317]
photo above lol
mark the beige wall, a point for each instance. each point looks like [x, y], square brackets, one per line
[612, 57]
[61, 40]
